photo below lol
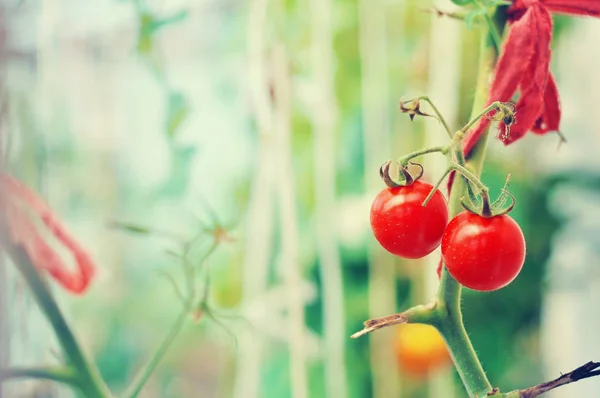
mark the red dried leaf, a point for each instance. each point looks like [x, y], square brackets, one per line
[16, 204]
[516, 56]
[550, 118]
[535, 78]
[574, 7]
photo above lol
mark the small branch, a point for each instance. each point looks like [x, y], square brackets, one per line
[588, 370]
[438, 114]
[60, 374]
[419, 314]
[494, 105]
[460, 16]
[138, 383]
[403, 161]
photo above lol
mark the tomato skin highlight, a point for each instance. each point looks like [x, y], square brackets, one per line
[403, 226]
[483, 254]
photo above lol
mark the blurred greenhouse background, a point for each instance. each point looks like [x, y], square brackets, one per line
[267, 120]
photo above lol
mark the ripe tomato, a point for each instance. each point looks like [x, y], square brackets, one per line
[420, 349]
[481, 253]
[403, 226]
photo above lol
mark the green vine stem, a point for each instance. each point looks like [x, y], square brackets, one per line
[459, 135]
[403, 161]
[142, 378]
[451, 325]
[87, 375]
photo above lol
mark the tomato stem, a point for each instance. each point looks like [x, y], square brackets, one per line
[437, 114]
[471, 177]
[459, 135]
[437, 185]
[449, 318]
[403, 161]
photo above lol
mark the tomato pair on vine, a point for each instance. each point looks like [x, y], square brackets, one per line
[483, 249]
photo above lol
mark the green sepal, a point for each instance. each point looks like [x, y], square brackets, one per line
[504, 196]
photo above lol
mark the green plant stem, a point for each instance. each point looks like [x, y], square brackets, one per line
[470, 176]
[136, 386]
[485, 111]
[437, 185]
[448, 299]
[60, 374]
[438, 115]
[450, 324]
[89, 380]
[141, 379]
[403, 161]
[494, 36]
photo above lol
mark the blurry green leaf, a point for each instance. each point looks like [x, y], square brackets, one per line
[149, 25]
[182, 157]
[498, 3]
[160, 23]
[462, 2]
[138, 229]
[176, 113]
[145, 42]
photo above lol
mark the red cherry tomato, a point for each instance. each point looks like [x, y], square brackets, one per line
[481, 253]
[403, 226]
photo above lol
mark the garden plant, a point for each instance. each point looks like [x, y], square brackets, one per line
[482, 247]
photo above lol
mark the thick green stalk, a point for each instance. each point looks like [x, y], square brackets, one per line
[87, 375]
[450, 321]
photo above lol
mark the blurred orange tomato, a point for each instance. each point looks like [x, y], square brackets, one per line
[420, 349]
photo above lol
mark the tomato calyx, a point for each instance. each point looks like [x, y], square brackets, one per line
[412, 107]
[404, 175]
[486, 209]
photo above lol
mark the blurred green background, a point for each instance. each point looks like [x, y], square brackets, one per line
[271, 118]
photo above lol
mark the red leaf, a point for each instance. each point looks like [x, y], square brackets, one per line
[16, 200]
[550, 119]
[533, 86]
[574, 7]
[516, 55]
